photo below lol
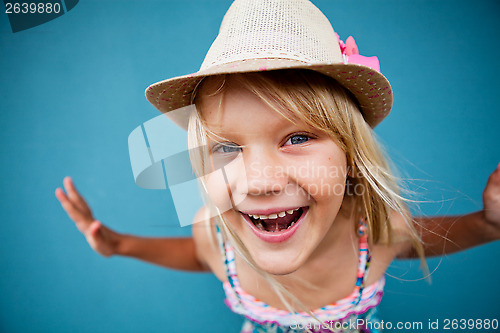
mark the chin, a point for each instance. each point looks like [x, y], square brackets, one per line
[281, 272]
[276, 266]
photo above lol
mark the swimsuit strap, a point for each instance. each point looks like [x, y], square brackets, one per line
[364, 259]
[224, 250]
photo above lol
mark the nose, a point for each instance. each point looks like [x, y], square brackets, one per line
[265, 173]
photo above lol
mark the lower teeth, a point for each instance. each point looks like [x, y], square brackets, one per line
[261, 227]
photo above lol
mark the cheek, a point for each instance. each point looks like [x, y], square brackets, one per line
[224, 181]
[326, 188]
[217, 191]
[324, 177]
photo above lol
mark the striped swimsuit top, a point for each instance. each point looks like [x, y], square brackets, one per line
[359, 306]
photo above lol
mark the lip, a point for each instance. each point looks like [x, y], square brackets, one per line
[275, 237]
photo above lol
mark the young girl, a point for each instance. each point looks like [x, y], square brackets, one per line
[306, 216]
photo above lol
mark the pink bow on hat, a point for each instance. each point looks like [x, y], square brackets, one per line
[351, 54]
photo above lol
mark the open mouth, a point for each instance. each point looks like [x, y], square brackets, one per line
[276, 222]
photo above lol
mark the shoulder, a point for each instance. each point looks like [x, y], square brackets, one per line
[384, 252]
[402, 236]
[207, 247]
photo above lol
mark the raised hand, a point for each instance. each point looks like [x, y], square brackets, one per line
[491, 199]
[102, 239]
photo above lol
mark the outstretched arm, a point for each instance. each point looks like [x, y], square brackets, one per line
[448, 234]
[175, 253]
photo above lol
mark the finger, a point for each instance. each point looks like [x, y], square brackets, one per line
[73, 212]
[75, 196]
[98, 231]
[96, 239]
[63, 198]
[60, 195]
[67, 204]
[73, 193]
[491, 193]
[99, 239]
[495, 175]
[94, 228]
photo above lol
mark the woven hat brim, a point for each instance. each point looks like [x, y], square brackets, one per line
[371, 89]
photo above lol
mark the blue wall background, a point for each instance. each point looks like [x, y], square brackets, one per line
[73, 89]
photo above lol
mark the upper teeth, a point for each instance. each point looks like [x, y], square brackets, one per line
[274, 215]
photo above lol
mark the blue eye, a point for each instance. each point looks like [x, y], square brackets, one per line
[297, 139]
[226, 148]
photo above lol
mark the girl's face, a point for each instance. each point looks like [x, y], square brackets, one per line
[279, 185]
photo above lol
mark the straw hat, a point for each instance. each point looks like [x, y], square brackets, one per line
[265, 35]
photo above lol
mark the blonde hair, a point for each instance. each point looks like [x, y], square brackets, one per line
[321, 102]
